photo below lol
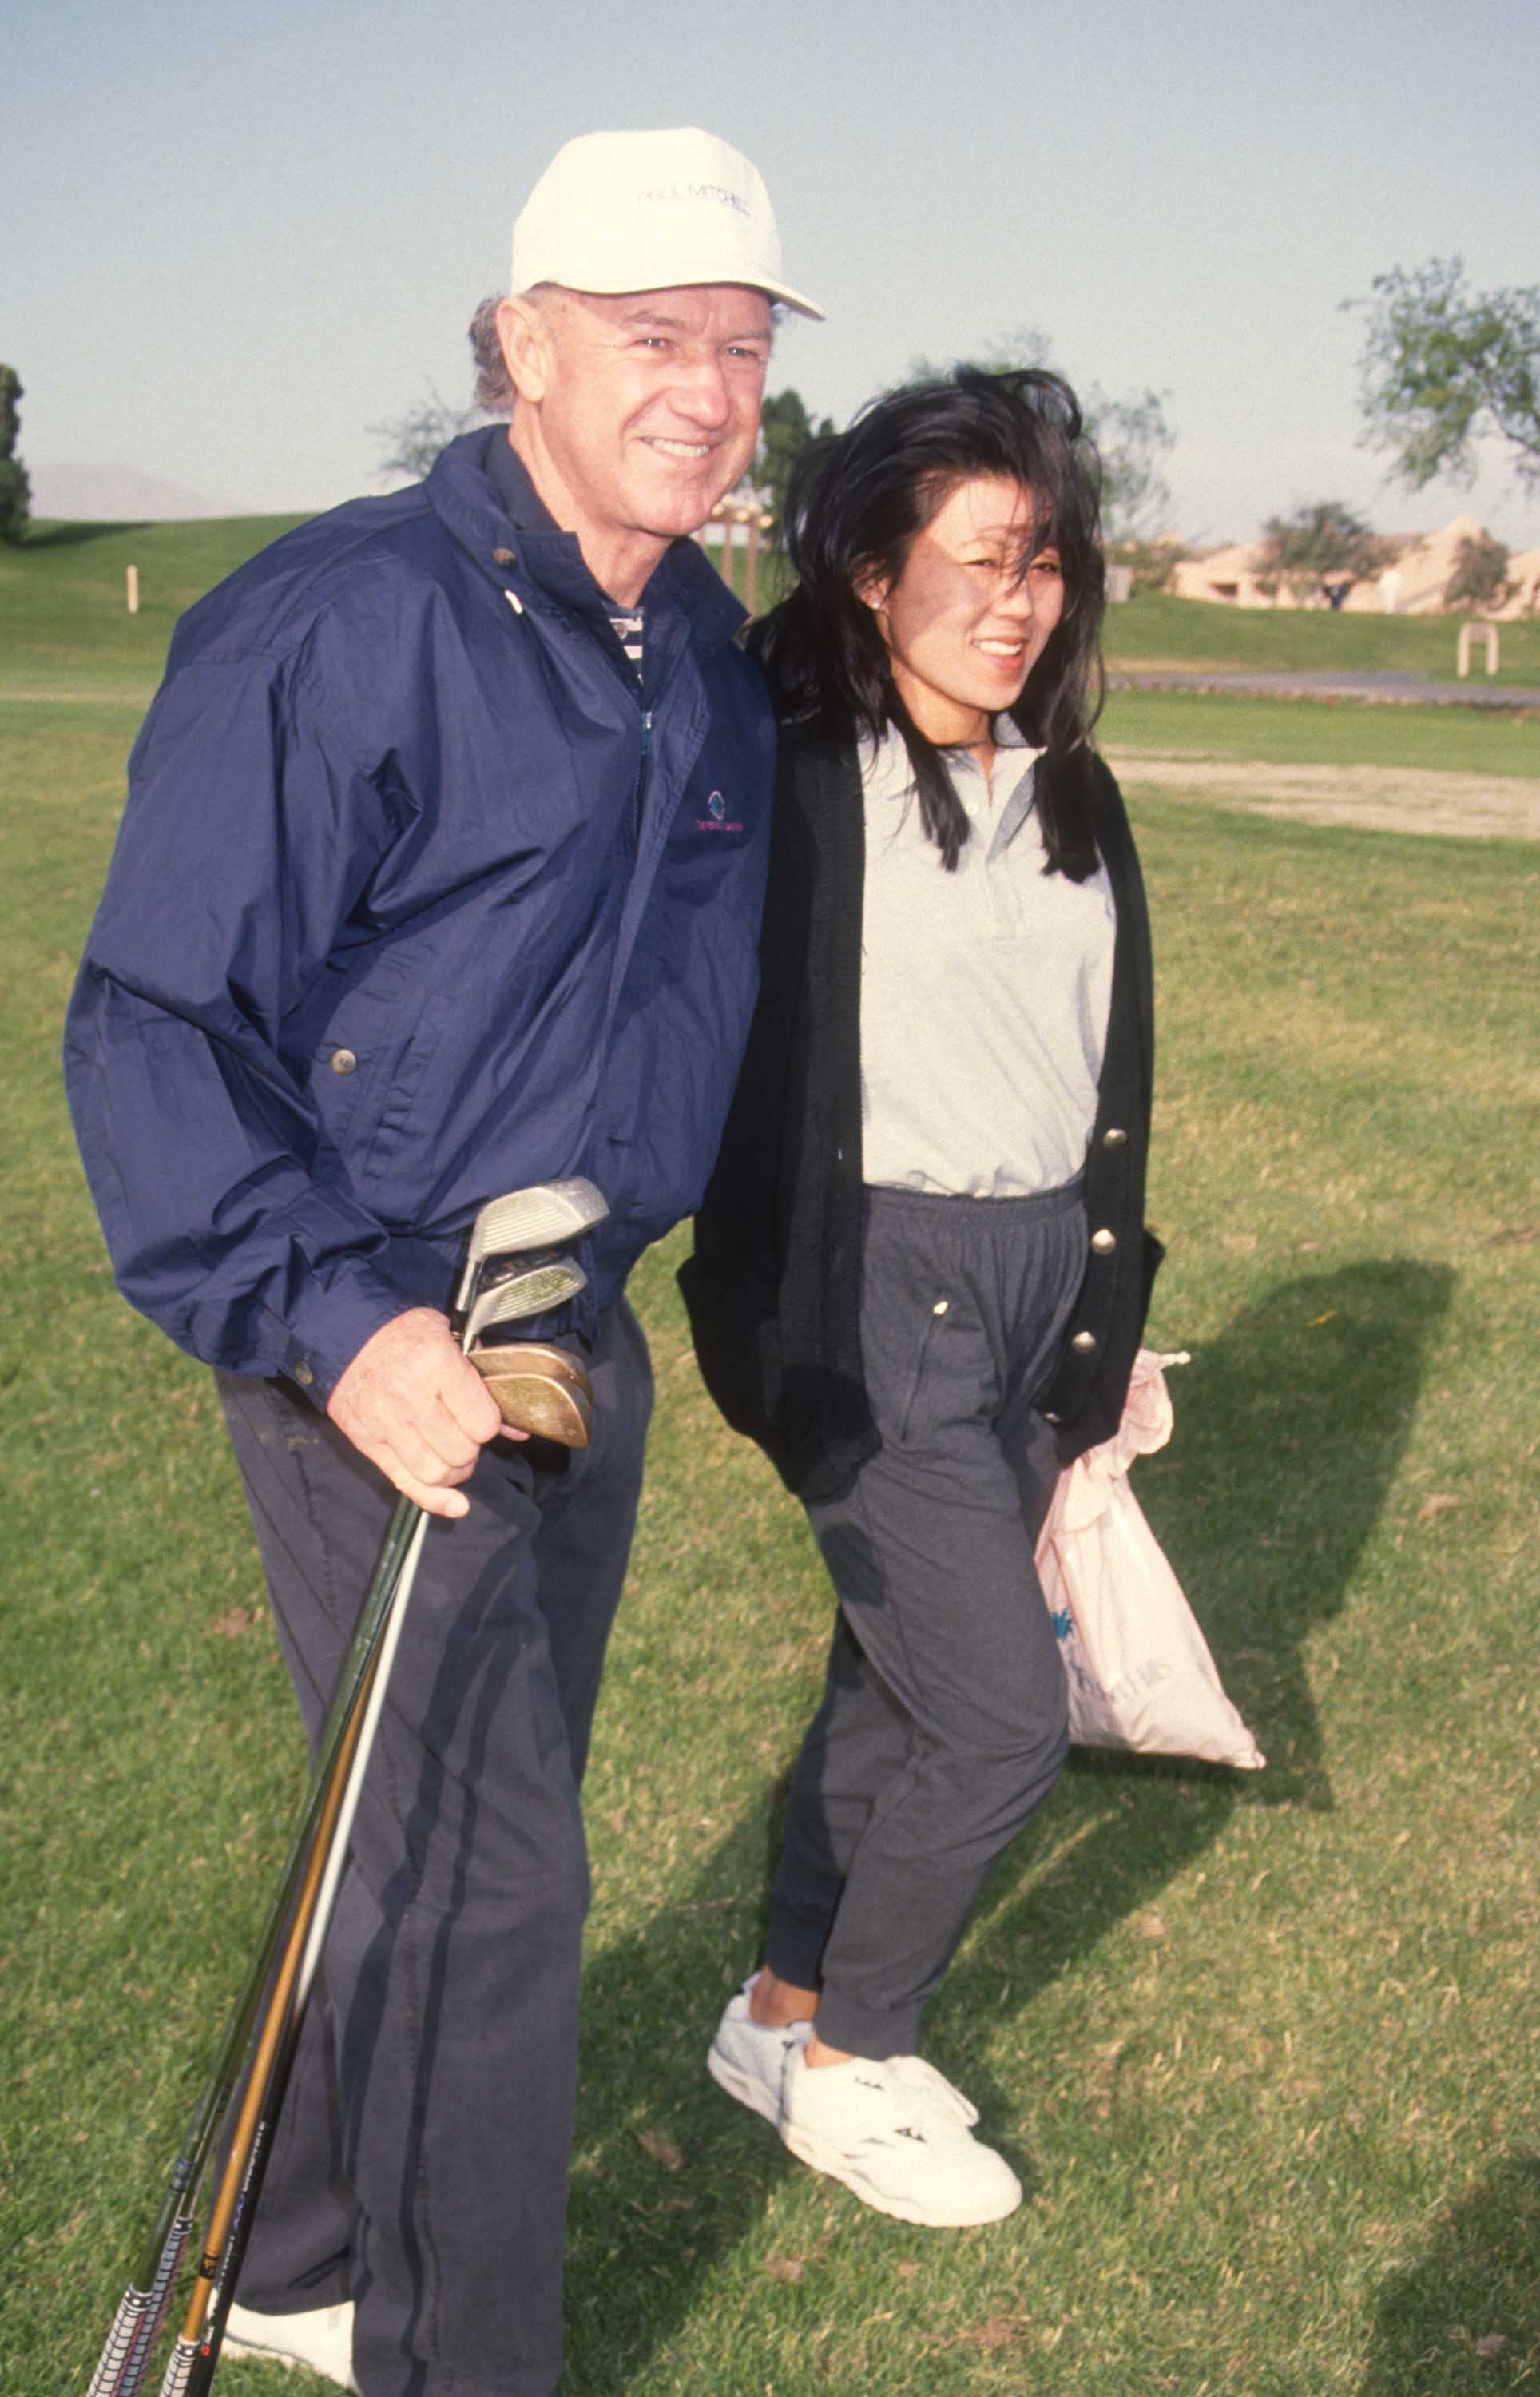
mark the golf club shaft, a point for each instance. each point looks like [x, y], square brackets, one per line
[259, 2120]
[125, 2357]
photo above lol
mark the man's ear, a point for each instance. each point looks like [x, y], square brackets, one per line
[524, 333]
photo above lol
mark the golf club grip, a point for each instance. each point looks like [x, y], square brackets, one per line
[107, 2380]
[184, 2356]
[160, 2300]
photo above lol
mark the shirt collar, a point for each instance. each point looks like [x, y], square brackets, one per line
[887, 774]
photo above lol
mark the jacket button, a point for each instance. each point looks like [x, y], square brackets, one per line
[302, 1373]
[1104, 1241]
[343, 1061]
[1049, 1416]
[504, 558]
[1113, 1138]
[1086, 1342]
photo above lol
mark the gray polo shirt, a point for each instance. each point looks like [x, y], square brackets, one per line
[984, 992]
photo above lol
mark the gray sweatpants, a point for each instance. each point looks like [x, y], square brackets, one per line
[943, 1723]
[421, 2159]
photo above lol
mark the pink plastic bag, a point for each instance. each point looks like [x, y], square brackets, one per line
[1139, 1671]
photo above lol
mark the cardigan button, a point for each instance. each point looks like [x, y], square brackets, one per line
[1104, 1241]
[1086, 1342]
[1113, 1138]
[343, 1061]
[302, 1373]
[504, 558]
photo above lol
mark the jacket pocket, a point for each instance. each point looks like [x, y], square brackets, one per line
[404, 1126]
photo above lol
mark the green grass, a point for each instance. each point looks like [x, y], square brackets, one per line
[1267, 2050]
[1302, 732]
[65, 622]
[1155, 630]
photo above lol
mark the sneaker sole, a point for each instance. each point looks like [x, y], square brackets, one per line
[830, 2161]
[747, 2091]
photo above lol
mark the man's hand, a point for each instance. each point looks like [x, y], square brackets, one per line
[413, 1405]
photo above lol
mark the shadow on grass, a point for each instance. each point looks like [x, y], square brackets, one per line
[1290, 1431]
[1467, 2317]
[1290, 1428]
[641, 2236]
[63, 534]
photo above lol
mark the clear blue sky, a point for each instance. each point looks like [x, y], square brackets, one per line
[237, 238]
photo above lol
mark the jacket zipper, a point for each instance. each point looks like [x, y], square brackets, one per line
[641, 778]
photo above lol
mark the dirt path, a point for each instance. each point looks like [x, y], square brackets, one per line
[1381, 799]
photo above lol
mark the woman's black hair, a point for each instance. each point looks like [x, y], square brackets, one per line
[856, 502]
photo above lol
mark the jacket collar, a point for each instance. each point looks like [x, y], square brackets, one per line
[481, 492]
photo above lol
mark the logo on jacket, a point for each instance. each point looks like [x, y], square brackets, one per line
[716, 820]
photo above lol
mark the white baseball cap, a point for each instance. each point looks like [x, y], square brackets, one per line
[648, 212]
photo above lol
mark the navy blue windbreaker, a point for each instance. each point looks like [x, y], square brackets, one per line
[418, 897]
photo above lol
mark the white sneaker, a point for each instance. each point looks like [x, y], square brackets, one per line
[899, 2135]
[321, 2339]
[748, 2059]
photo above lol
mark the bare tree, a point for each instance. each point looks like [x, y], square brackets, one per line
[413, 441]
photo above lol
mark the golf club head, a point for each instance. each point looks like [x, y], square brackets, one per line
[536, 1357]
[546, 1216]
[540, 1390]
[527, 1289]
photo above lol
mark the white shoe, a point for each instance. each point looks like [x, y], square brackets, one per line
[321, 2339]
[899, 2135]
[748, 2059]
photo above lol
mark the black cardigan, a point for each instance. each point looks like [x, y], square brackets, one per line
[773, 1289]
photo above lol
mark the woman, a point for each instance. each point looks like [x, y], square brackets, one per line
[920, 1274]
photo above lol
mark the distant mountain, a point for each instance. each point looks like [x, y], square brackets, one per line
[119, 495]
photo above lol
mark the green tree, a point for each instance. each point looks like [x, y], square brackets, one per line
[785, 431]
[1443, 367]
[1132, 433]
[1323, 540]
[15, 490]
[1479, 578]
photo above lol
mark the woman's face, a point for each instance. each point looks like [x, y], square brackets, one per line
[971, 613]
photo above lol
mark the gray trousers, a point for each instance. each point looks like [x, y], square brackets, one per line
[420, 2166]
[943, 1723]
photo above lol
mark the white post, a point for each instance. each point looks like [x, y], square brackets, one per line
[133, 591]
[1461, 647]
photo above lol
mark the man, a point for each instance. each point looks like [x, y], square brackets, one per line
[441, 876]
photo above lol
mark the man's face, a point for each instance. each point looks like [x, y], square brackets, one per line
[647, 402]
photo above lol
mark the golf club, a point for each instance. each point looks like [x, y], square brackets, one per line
[503, 1230]
[538, 1389]
[526, 1287]
[551, 1214]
